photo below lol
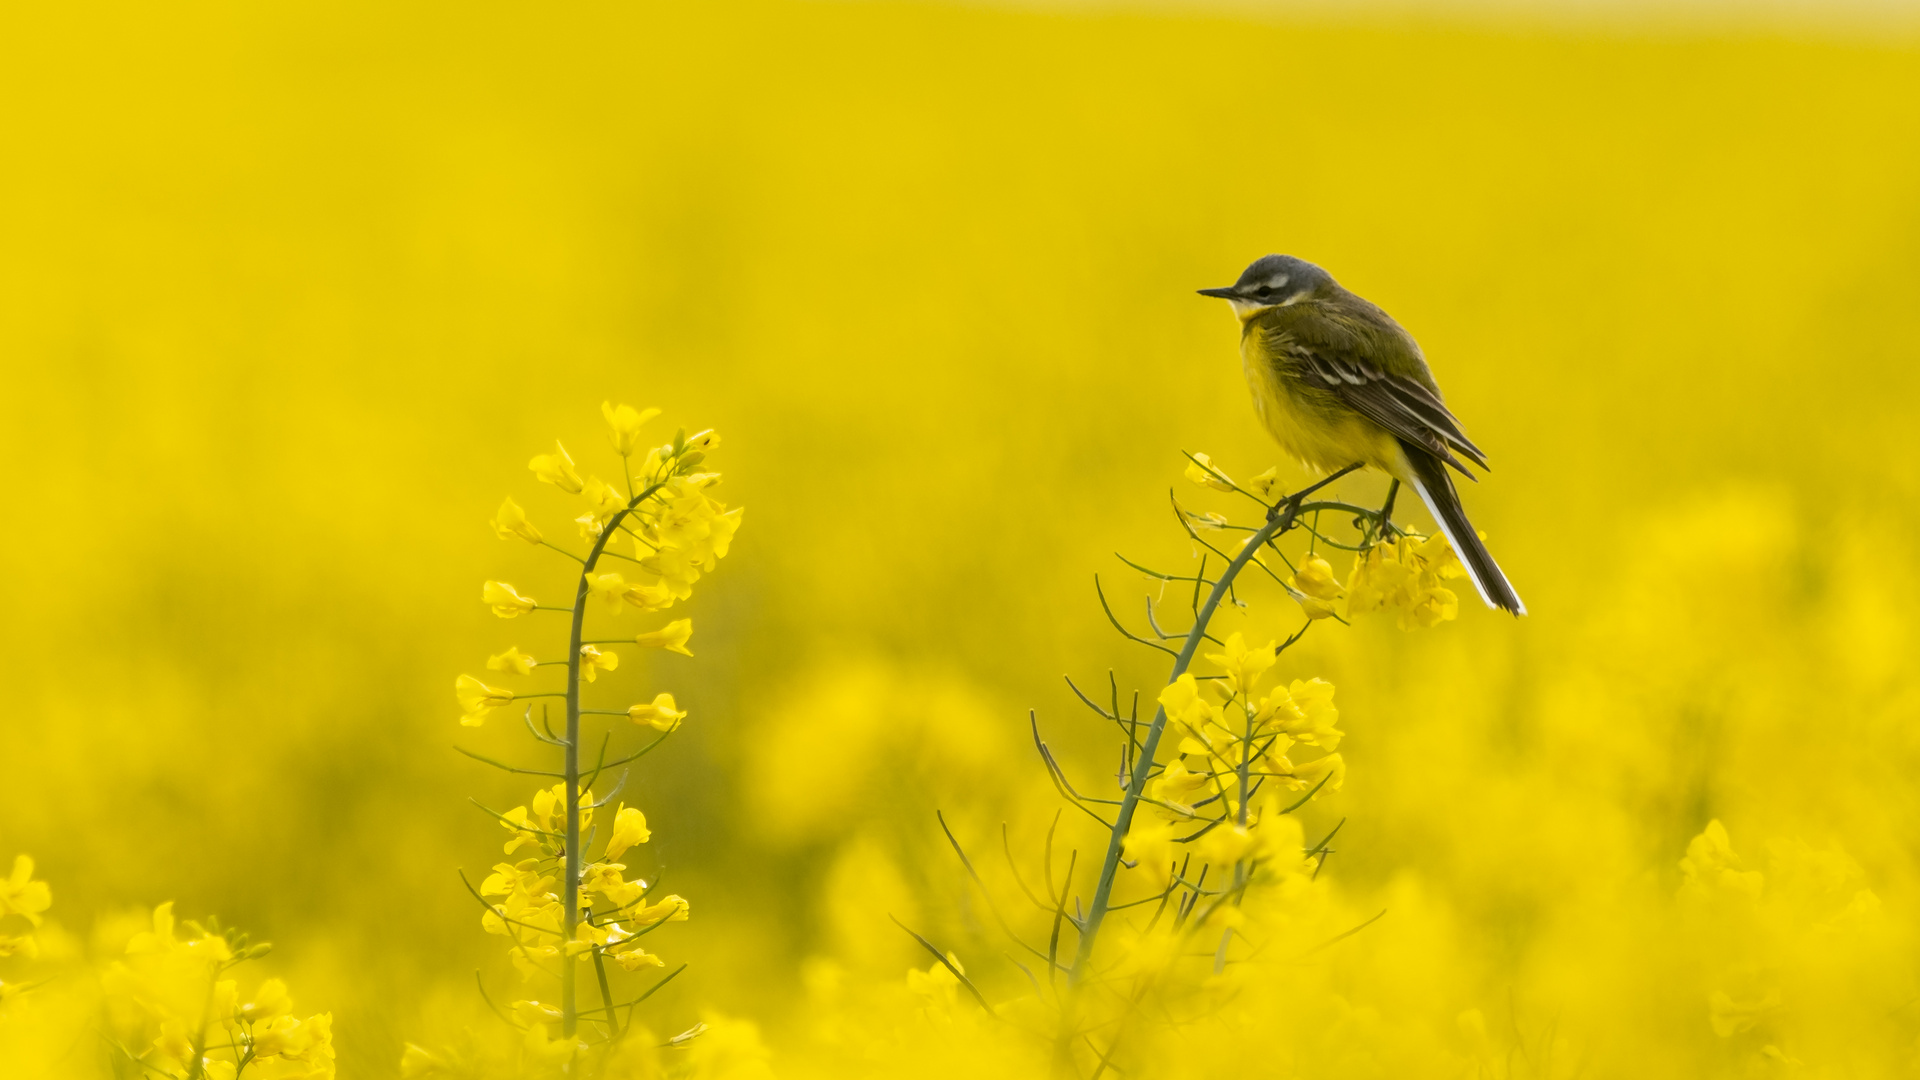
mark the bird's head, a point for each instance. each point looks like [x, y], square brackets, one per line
[1273, 281]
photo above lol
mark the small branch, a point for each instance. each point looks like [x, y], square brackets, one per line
[506, 767]
[950, 966]
[1124, 632]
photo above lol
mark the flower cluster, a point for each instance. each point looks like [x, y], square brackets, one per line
[24, 898]
[173, 1012]
[1405, 574]
[553, 904]
[1235, 757]
[532, 912]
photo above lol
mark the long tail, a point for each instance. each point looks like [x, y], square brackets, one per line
[1430, 479]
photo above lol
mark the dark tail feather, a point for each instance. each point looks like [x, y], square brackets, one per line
[1436, 489]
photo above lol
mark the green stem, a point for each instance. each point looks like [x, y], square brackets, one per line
[569, 1001]
[1137, 783]
[606, 994]
[1281, 517]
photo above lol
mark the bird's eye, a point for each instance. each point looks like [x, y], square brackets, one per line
[1265, 290]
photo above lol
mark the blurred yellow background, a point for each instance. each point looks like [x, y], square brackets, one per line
[289, 294]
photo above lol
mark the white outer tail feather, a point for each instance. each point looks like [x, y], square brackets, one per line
[1447, 531]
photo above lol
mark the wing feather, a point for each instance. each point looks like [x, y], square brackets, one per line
[1403, 406]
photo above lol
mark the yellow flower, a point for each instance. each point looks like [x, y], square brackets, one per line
[1202, 471]
[478, 699]
[1150, 843]
[672, 909]
[1264, 484]
[937, 983]
[605, 499]
[269, 1001]
[1243, 666]
[625, 420]
[658, 713]
[1305, 710]
[511, 521]
[671, 637]
[1315, 578]
[512, 660]
[633, 958]
[705, 440]
[308, 1041]
[21, 895]
[1332, 768]
[1406, 574]
[614, 590]
[556, 469]
[504, 601]
[1184, 704]
[1178, 785]
[1711, 864]
[629, 828]
[593, 661]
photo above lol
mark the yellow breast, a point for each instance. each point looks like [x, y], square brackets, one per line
[1311, 424]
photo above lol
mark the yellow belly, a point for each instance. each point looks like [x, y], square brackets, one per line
[1313, 425]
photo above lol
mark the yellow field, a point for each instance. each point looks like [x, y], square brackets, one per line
[289, 295]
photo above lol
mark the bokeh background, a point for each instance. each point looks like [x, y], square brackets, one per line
[289, 294]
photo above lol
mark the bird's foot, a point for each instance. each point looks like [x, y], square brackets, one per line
[1282, 513]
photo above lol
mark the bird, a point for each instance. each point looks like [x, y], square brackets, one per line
[1338, 383]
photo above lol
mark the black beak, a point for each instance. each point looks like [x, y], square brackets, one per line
[1227, 293]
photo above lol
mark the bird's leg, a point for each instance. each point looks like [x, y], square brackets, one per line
[1386, 511]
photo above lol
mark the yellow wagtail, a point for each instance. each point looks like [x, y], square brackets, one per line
[1338, 383]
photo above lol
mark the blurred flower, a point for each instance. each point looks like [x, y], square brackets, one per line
[593, 661]
[1177, 785]
[478, 699]
[605, 501]
[512, 660]
[511, 521]
[1202, 471]
[415, 1061]
[672, 909]
[629, 828]
[617, 594]
[1711, 865]
[505, 602]
[1263, 485]
[1729, 1017]
[633, 958]
[658, 713]
[556, 469]
[937, 984]
[1331, 768]
[671, 637]
[625, 421]
[21, 895]
[269, 1001]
